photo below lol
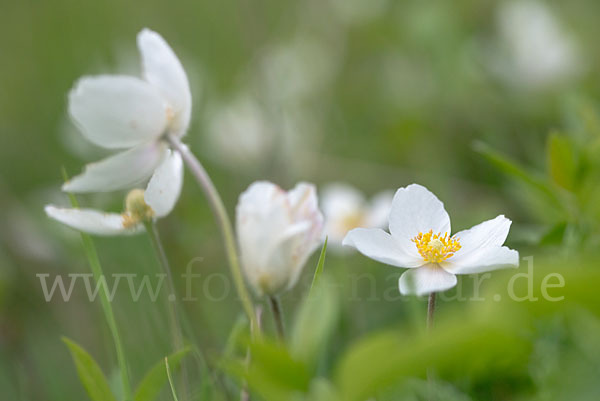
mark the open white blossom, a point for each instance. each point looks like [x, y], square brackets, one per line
[537, 50]
[420, 240]
[156, 201]
[346, 208]
[277, 231]
[127, 112]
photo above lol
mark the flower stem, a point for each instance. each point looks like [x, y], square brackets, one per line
[277, 317]
[430, 313]
[218, 208]
[109, 315]
[174, 321]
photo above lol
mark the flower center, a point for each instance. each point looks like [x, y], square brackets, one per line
[136, 209]
[435, 248]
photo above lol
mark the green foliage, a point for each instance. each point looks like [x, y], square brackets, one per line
[154, 381]
[320, 264]
[90, 374]
[315, 320]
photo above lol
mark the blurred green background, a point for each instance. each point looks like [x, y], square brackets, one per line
[492, 105]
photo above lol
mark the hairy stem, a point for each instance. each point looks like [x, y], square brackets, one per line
[218, 208]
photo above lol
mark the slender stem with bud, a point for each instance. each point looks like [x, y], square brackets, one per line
[277, 317]
[223, 221]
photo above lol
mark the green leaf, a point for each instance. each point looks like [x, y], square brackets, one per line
[561, 161]
[320, 264]
[271, 372]
[156, 378]
[314, 323]
[452, 350]
[90, 374]
[511, 168]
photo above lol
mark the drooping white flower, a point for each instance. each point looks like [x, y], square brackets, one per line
[156, 201]
[537, 50]
[277, 231]
[346, 208]
[420, 240]
[127, 112]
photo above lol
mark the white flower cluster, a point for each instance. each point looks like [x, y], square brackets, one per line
[277, 231]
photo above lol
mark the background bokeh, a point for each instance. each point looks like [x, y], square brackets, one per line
[378, 94]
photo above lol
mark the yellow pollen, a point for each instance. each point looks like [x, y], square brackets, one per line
[435, 248]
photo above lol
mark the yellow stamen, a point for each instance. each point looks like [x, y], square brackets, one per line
[436, 248]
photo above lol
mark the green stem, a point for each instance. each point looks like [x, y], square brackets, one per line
[92, 256]
[277, 317]
[430, 313]
[170, 380]
[218, 208]
[174, 321]
[96, 267]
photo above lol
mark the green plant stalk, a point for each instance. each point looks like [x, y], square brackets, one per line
[170, 379]
[218, 208]
[96, 267]
[277, 317]
[430, 314]
[174, 321]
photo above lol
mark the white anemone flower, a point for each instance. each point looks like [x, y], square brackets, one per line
[346, 208]
[156, 201]
[420, 240]
[277, 231]
[133, 114]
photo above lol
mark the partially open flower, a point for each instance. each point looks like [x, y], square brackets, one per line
[346, 208]
[277, 232]
[420, 240]
[156, 201]
[126, 112]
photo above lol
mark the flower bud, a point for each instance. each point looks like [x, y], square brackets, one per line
[136, 207]
[277, 231]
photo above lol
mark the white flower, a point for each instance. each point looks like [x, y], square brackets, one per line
[126, 112]
[538, 51]
[156, 201]
[420, 240]
[346, 208]
[277, 231]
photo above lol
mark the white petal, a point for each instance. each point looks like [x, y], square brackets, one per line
[164, 187]
[286, 258]
[425, 280]
[484, 260]
[489, 233]
[380, 246]
[121, 171]
[163, 69]
[92, 221]
[117, 111]
[415, 209]
[262, 216]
